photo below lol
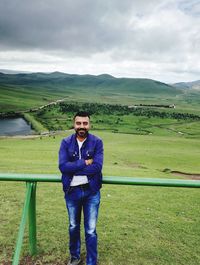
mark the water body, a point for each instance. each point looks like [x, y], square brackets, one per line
[14, 126]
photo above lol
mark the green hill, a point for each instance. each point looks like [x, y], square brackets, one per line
[24, 91]
[104, 82]
[188, 85]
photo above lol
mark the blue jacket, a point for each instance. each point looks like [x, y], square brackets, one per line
[70, 164]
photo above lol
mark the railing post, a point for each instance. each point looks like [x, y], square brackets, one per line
[32, 221]
[22, 224]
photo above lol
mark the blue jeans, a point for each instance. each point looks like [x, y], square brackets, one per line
[78, 198]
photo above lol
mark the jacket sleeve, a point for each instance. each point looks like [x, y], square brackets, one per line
[65, 165]
[97, 164]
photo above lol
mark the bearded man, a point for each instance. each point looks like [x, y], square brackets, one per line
[80, 162]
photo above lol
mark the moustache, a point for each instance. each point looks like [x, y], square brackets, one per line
[81, 129]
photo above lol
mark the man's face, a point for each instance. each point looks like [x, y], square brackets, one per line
[82, 126]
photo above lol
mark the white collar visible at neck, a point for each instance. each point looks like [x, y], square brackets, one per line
[80, 143]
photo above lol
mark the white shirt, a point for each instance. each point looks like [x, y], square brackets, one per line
[79, 180]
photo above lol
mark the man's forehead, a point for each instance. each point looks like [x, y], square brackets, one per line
[78, 118]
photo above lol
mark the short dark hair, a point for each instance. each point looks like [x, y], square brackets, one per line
[82, 114]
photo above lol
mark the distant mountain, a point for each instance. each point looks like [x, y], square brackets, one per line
[188, 85]
[7, 71]
[103, 82]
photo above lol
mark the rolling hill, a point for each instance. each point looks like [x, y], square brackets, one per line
[104, 81]
[188, 85]
[26, 90]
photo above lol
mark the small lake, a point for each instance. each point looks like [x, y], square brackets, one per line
[14, 126]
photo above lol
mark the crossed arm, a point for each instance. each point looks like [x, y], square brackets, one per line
[81, 166]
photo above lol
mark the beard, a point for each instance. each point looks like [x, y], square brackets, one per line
[82, 133]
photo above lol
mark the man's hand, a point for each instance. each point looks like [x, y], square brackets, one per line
[88, 162]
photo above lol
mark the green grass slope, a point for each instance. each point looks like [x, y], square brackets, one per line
[103, 82]
[137, 225]
[122, 119]
[30, 90]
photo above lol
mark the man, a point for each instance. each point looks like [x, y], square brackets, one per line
[80, 162]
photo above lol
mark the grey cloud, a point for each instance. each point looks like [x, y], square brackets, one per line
[120, 32]
[80, 27]
[67, 25]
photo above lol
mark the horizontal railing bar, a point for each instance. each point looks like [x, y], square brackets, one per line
[106, 180]
[30, 177]
[152, 182]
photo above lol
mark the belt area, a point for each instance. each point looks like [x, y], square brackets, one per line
[82, 186]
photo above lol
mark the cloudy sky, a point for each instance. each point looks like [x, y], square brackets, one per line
[158, 39]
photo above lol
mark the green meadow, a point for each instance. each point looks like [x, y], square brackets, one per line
[137, 225]
[119, 119]
[27, 91]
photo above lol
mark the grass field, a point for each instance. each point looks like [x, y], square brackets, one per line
[27, 91]
[117, 118]
[137, 225]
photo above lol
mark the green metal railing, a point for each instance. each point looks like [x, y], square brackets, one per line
[29, 209]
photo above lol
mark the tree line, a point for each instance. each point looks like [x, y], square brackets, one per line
[108, 109]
